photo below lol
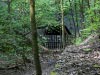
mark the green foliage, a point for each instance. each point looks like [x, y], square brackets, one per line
[87, 50]
[53, 73]
[96, 66]
[14, 25]
[11, 41]
[92, 19]
[78, 40]
[45, 13]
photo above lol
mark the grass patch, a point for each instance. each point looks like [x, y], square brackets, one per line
[87, 50]
[53, 73]
[96, 66]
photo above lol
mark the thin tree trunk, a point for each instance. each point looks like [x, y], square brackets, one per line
[88, 1]
[82, 9]
[76, 17]
[34, 38]
[82, 13]
[62, 23]
[72, 17]
[9, 4]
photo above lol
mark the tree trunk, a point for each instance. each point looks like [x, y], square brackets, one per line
[82, 9]
[62, 23]
[34, 38]
[9, 4]
[71, 8]
[88, 1]
[76, 17]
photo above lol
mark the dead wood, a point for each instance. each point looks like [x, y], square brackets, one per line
[87, 40]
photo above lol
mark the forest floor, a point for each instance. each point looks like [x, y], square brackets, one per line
[80, 60]
[83, 59]
[48, 62]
